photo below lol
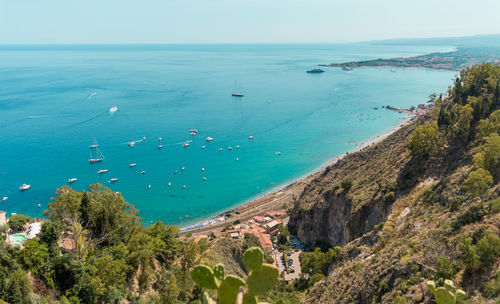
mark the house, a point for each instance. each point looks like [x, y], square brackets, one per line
[272, 227]
[3, 218]
[234, 233]
[266, 243]
[259, 219]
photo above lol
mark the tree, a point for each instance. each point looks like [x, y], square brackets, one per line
[488, 248]
[488, 156]
[423, 140]
[50, 232]
[468, 253]
[283, 235]
[317, 261]
[35, 257]
[18, 221]
[478, 182]
[465, 118]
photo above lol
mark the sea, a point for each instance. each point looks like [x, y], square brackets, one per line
[55, 102]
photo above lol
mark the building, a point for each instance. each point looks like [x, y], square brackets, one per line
[259, 219]
[3, 218]
[272, 227]
[266, 243]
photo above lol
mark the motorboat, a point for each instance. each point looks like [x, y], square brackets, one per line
[203, 147]
[149, 186]
[113, 109]
[204, 178]
[185, 145]
[230, 148]
[131, 144]
[209, 139]
[220, 149]
[250, 137]
[237, 147]
[24, 187]
[143, 172]
[237, 94]
[113, 180]
[202, 169]
[72, 180]
[182, 169]
[5, 198]
[132, 165]
[102, 171]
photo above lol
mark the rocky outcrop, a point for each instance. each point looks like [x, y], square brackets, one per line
[352, 196]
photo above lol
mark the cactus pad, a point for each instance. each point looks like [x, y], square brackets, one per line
[228, 289]
[219, 271]
[204, 277]
[260, 281]
[249, 299]
[253, 258]
[445, 295]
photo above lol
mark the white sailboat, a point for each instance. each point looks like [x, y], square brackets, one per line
[99, 157]
[237, 90]
[94, 145]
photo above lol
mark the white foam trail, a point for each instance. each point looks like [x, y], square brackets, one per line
[90, 96]
[43, 116]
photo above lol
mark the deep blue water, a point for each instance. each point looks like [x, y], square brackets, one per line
[55, 99]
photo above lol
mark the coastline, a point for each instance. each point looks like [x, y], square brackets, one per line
[253, 205]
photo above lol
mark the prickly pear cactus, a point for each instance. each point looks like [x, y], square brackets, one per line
[445, 294]
[261, 279]
[219, 271]
[229, 288]
[253, 258]
[204, 277]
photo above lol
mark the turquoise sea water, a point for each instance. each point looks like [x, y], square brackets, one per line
[55, 99]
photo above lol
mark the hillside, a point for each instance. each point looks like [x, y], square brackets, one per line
[421, 205]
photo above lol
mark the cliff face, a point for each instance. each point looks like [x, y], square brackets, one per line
[352, 196]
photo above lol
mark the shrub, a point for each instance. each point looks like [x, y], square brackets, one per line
[389, 198]
[456, 202]
[18, 221]
[488, 248]
[423, 140]
[346, 184]
[444, 268]
[495, 205]
[478, 182]
[492, 288]
[473, 215]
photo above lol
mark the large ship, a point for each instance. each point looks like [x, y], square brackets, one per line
[315, 71]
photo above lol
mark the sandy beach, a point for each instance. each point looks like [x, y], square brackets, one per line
[281, 197]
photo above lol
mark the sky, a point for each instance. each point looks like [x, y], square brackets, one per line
[240, 21]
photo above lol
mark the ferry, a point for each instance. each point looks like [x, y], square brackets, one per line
[72, 180]
[24, 187]
[315, 71]
[102, 171]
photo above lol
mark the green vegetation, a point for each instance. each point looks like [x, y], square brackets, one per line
[318, 262]
[18, 221]
[423, 140]
[262, 278]
[446, 294]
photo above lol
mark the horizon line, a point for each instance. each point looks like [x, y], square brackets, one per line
[249, 43]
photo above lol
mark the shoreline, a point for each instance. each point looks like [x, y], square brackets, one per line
[251, 205]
